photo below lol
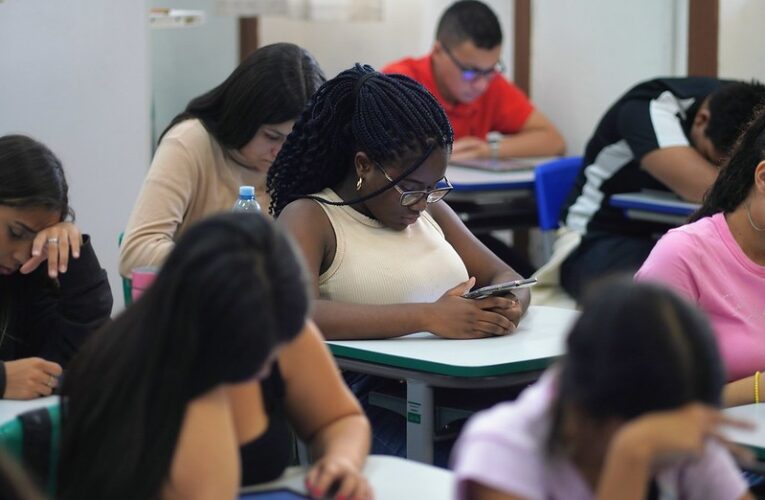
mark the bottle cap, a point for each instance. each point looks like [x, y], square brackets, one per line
[246, 191]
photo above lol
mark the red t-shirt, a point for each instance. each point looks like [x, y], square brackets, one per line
[502, 108]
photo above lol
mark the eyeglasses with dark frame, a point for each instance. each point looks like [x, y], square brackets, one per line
[473, 74]
[409, 198]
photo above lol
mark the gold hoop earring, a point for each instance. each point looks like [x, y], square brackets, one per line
[751, 221]
[358, 184]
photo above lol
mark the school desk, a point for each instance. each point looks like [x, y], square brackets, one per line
[488, 201]
[10, 409]
[426, 361]
[754, 439]
[654, 206]
[391, 478]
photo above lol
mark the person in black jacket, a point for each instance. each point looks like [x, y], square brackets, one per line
[47, 310]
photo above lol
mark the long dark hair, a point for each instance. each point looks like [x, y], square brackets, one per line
[735, 181]
[230, 292]
[385, 116]
[635, 349]
[272, 85]
[31, 176]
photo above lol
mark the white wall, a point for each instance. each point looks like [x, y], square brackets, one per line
[187, 62]
[408, 29]
[585, 53]
[75, 75]
[742, 39]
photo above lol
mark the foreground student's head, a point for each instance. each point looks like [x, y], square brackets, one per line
[382, 132]
[254, 109]
[723, 116]
[466, 53]
[636, 348]
[33, 196]
[741, 183]
[231, 292]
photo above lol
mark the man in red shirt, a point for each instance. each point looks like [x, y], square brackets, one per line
[463, 72]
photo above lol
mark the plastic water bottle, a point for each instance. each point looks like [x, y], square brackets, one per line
[246, 201]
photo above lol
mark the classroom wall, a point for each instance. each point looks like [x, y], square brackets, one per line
[186, 62]
[585, 53]
[75, 75]
[408, 29]
[742, 39]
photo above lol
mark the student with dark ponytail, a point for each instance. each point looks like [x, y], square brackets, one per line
[47, 309]
[359, 183]
[154, 399]
[718, 262]
[631, 412]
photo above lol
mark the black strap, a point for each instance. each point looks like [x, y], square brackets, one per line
[36, 425]
[376, 192]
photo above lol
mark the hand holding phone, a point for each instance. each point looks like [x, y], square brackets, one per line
[500, 288]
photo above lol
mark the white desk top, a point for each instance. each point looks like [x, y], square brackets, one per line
[391, 478]
[471, 179]
[754, 439]
[10, 409]
[539, 338]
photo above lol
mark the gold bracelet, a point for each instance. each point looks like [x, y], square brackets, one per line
[757, 387]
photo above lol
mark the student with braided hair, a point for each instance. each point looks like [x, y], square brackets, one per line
[359, 183]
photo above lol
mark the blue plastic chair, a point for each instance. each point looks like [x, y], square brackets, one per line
[553, 182]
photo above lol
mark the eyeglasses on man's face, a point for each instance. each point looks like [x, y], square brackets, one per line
[409, 198]
[472, 74]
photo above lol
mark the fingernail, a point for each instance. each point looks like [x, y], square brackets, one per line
[35, 252]
[62, 269]
[76, 255]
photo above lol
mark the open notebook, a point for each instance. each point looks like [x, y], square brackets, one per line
[503, 164]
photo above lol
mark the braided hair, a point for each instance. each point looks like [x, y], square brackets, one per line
[736, 179]
[385, 116]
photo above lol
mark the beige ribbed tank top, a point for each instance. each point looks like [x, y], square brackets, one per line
[374, 264]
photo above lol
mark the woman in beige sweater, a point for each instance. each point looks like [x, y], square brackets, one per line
[225, 138]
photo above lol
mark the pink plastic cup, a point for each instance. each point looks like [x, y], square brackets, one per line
[141, 278]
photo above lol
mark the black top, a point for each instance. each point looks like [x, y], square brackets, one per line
[49, 318]
[652, 115]
[265, 458]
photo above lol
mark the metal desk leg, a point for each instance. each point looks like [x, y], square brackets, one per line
[419, 421]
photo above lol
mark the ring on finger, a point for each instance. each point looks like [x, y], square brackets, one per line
[53, 241]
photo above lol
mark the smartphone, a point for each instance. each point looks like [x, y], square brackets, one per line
[500, 288]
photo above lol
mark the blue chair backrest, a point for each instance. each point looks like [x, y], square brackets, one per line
[33, 439]
[127, 285]
[553, 182]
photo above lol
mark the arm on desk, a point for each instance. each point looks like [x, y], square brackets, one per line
[537, 137]
[682, 169]
[479, 260]
[451, 316]
[327, 416]
[741, 392]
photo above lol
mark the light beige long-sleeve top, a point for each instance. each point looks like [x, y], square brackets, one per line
[191, 177]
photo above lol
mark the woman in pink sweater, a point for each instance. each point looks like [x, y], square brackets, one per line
[718, 262]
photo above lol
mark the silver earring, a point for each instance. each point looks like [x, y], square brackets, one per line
[751, 222]
[358, 184]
